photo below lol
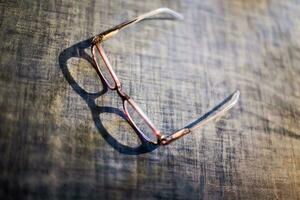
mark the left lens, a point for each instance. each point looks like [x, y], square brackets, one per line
[140, 121]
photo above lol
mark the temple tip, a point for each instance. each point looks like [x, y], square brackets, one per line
[172, 12]
[235, 97]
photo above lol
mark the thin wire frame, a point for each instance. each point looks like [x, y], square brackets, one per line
[161, 139]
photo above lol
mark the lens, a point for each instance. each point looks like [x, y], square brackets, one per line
[139, 119]
[103, 63]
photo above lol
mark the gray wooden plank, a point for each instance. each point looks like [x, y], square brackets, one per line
[63, 135]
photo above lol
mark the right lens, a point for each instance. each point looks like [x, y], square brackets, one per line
[141, 122]
[102, 64]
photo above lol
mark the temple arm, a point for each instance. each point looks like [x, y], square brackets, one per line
[213, 114]
[113, 31]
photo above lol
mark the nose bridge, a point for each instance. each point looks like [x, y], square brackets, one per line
[121, 93]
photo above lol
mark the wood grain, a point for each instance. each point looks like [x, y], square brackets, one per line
[63, 134]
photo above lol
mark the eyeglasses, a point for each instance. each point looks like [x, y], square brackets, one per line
[135, 116]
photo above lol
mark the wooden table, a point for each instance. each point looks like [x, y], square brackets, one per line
[63, 134]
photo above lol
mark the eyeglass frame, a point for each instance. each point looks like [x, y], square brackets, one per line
[215, 113]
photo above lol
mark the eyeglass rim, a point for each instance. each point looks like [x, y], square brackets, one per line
[126, 99]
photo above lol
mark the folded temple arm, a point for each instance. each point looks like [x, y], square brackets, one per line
[111, 32]
[213, 114]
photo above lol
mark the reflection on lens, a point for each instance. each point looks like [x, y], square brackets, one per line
[140, 123]
[103, 68]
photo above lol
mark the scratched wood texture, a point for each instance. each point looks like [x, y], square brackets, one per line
[63, 134]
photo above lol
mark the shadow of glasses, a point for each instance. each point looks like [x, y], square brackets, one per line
[78, 51]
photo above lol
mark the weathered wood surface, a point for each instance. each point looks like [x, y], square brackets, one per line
[62, 135]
